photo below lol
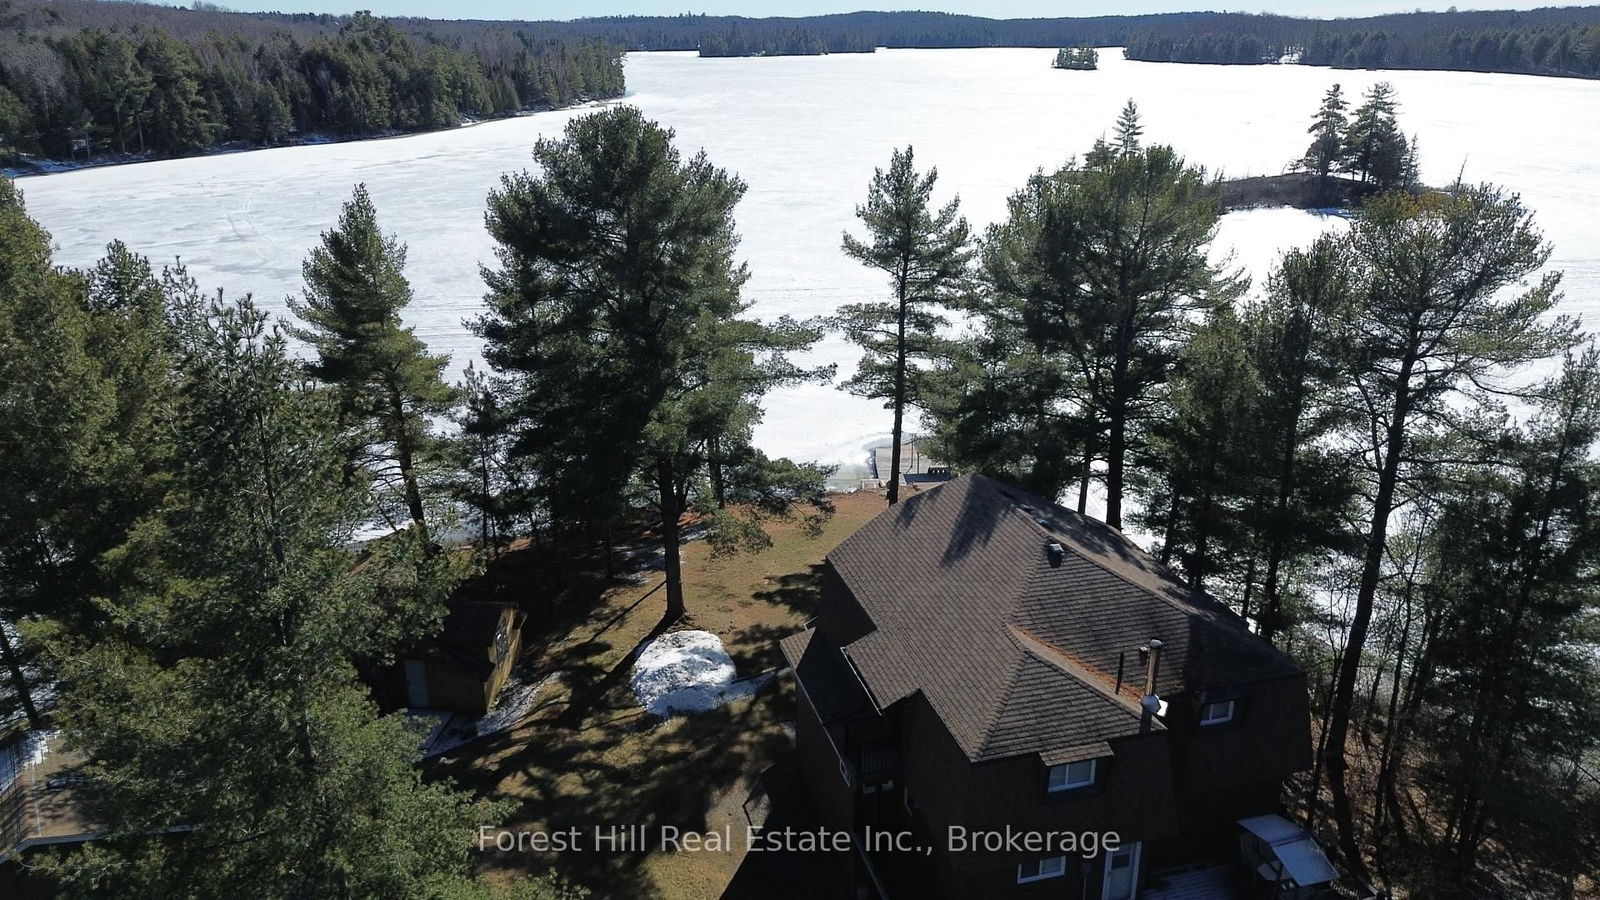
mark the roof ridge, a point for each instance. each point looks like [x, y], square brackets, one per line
[998, 707]
[1067, 664]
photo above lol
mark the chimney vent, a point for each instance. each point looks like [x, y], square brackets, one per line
[1055, 551]
[1152, 653]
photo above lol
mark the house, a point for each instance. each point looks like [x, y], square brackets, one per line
[985, 660]
[38, 795]
[464, 666]
[917, 466]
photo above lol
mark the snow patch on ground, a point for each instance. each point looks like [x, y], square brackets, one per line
[688, 672]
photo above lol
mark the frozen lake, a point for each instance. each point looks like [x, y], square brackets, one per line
[805, 133]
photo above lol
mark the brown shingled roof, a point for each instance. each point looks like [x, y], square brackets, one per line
[1018, 651]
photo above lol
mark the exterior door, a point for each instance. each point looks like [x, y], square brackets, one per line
[416, 683]
[1122, 873]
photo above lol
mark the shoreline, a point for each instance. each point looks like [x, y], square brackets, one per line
[35, 167]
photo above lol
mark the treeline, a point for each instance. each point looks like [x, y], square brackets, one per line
[1349, 458]
[1546, 41]
[164, 86]
[861, 31]
[179, 499]
[739, 41]
[1543, 42]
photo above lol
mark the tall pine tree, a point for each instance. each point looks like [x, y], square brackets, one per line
[390, 387]
[1434, 330]
[925, 254]
[616, 322]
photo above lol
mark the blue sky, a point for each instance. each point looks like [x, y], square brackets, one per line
[567, 9]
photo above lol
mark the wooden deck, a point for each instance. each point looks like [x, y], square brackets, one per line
[1210, 883]
[38, 787]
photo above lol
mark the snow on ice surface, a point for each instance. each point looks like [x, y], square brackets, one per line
[805, 134]
[29, 751]
[685, 672]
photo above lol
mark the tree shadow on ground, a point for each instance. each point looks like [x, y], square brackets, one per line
[611, 767]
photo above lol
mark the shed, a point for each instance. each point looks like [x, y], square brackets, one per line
[1282, 853]
[464, 666]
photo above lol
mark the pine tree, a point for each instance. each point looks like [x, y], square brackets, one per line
[1129, 131]
[221, 697]
[1411, 179]
[615, 320]
[1129, 269]
[1433, 330]
[1299, 338]
[1008, 400]
[1196, 488]
[390, 388]
[925, 254]
[1093, 283]
[54, 408]
[1327, 139]
[1375, 148]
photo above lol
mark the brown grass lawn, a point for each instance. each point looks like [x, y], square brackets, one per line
[590, 756]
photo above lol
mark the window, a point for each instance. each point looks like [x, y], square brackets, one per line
[1072, 776]
[1053, 867]
[1216, 713]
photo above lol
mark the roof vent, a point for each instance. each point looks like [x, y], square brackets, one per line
[1055, 551]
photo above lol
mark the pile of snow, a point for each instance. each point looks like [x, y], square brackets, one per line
[685, 672]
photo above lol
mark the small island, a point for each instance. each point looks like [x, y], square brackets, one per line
[1085, 59]
[1351, 157]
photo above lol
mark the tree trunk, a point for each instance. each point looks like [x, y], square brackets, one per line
[1350, 665]
[19, 679]
[405, 458]
[1170, 534]
[899, 397]
[1116, 447]
[666, 487]
[1271, 617]
[714, 464]
[1314, 789]
[1083, 484]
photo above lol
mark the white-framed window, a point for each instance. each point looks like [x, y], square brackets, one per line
[1040, 869]
[1216, 713]
[1071, 776]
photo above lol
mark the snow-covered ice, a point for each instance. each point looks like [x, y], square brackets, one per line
[805, 134]
[687, 672]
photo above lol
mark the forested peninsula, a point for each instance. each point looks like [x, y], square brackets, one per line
[87, 81]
